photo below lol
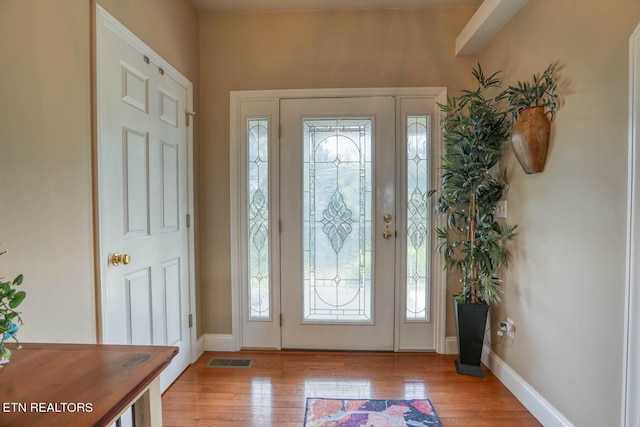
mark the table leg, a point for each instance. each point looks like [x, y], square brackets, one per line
[148, 408]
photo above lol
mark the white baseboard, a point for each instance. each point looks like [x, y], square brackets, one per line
[451, 345]
[199, 347]
[220, 342]
[527, 395]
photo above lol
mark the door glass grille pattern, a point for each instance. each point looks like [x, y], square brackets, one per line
[337, 240]
[258, 218]
[417, 280]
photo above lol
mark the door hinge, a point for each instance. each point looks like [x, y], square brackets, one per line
[189, 115]
[188, 220]
[280, 319]
[279, 130]
[191, 320]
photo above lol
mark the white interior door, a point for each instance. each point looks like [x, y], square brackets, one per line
[143, 201]
[337, 210]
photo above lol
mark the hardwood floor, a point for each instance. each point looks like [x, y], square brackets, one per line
[272, 392]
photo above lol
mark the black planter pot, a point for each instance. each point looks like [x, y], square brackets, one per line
[471, 320]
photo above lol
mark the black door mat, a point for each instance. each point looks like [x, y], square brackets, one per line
[230, 363]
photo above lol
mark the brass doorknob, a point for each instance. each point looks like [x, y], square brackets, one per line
[386, 234]
[117, 259]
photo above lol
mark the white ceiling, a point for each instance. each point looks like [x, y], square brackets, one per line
[283, 5]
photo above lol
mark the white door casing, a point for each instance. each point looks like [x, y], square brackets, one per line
[631, 365]
[249, 105]
[144, 196]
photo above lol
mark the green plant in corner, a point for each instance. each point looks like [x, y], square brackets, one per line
[474, 130]
[10, 299]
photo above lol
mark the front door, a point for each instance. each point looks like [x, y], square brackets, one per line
[337, 210]
[143, 199]
[331, 225]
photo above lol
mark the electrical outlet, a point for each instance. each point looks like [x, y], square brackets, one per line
[511, 328]
[500, 209]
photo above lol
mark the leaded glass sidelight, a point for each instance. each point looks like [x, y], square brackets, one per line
[258, 218]
[337, 206]
[417, 280]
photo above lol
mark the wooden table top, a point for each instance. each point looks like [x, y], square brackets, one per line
[76, 384]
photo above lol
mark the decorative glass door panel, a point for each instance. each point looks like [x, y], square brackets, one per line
[337, 181]
[258, 218]
[337, 210]
[417, 241]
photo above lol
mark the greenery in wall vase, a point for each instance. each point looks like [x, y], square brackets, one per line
[10, 299]
[540, 92]
[475, 129]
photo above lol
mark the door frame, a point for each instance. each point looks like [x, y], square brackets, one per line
[631, 364]
[103, 21]
[237, 98]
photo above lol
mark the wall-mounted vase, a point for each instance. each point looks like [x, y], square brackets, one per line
[530, 139]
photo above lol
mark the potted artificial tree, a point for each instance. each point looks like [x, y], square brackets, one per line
[533, 107]
[474, 131]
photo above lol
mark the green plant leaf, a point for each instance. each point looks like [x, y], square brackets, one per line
[17, 299]
[542, 91]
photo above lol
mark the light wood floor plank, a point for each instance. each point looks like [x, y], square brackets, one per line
[273, 392]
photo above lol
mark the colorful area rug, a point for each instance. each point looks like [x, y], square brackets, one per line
[370, 413]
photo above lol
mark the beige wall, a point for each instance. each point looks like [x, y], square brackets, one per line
[390, 48]
[45, 148]
[45, 172]
[565, 289]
